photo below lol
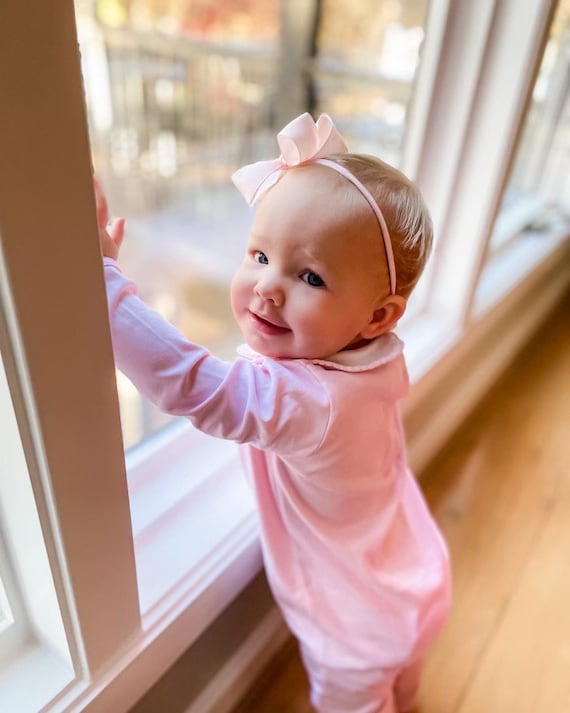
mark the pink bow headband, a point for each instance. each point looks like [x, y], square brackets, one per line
[303, 141]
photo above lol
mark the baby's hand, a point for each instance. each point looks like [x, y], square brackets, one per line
[110, 236]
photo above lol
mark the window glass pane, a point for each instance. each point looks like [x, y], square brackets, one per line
[13, 634]
[369, 53]
[14, 630]
[180, 93]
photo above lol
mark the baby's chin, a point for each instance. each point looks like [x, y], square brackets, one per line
[269, 352]
[276, 353]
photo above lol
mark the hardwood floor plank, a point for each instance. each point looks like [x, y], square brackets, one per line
[526, 665]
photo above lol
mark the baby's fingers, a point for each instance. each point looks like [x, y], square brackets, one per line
[102, 207]
[117, 231]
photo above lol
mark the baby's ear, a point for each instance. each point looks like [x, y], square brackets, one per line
[385, 316]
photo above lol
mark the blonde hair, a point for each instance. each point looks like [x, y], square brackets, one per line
[404, 210]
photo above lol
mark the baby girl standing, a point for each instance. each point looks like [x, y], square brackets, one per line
[353, 557]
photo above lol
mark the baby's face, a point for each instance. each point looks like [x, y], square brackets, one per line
[314, 271]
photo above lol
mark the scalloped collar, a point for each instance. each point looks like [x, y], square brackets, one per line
[378, 352]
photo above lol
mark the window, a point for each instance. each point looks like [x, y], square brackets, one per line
[174, 107]
[31, 627]
[477, 107]
[541, 160]
[533, 214]
[138, 563]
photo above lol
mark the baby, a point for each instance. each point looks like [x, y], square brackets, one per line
[353, 557]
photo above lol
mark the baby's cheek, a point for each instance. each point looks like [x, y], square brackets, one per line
[239, 292]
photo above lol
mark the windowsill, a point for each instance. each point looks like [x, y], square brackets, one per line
[36, 676]
[187, 527]
[427, 338]
[513, 219]
[508, 267]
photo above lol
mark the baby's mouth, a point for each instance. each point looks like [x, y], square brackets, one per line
[266, 325]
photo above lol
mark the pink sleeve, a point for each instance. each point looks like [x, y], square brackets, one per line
[273, 405]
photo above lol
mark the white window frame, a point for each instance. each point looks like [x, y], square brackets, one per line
[61, 371]
[488, 63]
[522, 211]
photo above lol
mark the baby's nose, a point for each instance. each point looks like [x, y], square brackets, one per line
[269, 288]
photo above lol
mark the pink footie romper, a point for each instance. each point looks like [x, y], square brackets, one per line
[352, 554]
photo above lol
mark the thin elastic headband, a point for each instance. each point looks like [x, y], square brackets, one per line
[303, 141]
[377, 212]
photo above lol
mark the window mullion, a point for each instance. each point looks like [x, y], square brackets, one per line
[62, 376]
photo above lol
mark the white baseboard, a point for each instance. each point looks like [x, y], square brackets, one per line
[236, 677]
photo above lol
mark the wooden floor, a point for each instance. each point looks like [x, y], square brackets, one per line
[501, 493]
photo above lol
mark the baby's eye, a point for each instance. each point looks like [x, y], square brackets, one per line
[312, 279]
[260, 257]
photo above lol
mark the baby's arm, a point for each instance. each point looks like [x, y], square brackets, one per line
[269, 404]
[264, 404]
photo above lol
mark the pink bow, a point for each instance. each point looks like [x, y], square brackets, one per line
[301, 141]
[304, 141]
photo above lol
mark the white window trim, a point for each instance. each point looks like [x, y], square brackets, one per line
[51, 250]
